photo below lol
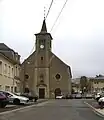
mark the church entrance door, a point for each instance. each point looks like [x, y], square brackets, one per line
[42, 93]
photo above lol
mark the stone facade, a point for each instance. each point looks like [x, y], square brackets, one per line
[97, 84]
[9, 74]
[43, 72]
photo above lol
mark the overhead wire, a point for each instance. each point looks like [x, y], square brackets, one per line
[49, 9]
[59, 15]
[45, 18]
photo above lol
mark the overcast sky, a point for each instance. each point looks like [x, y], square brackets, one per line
[78, 35]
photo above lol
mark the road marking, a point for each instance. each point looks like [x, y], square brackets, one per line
[22, 108]
[94, 110]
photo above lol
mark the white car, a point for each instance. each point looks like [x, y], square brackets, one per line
[59, 97]
[101, 100]
[97, 96]
[15, 99]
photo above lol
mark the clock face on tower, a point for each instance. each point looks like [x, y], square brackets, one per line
[41, 46]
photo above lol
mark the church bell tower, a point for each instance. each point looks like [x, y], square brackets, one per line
[43, 48]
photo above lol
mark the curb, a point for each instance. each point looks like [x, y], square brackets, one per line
[22, 108]
[94, 110]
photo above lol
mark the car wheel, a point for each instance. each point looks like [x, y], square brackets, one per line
[16, 101]
[3, 105]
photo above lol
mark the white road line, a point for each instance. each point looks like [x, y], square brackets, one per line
[22, 108]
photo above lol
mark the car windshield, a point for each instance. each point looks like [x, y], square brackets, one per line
[1, 94]
[16, 94]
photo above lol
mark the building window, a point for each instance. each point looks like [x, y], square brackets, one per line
[12, 71]
[7, 88]
[5, 68]
[57, 76]
[0, 87]
[26, 76]
[50, 44]
[16, 71]
[41, 60]
[15, 89]
[41, 78]
[12, 89]
[0, 67]
[9, 70]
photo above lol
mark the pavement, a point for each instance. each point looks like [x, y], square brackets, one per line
[54, 110]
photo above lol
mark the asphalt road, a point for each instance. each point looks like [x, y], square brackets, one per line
[55, 110]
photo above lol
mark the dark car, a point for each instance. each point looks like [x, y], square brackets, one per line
[89, 96]
[31, 97]
[69, 96]
[3, 100]
[78, 96]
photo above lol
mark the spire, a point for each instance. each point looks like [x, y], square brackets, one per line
[44, 28]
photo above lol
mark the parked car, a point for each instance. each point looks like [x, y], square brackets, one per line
[14, 98]
[97, 96]
[69, 96]
[30, 96]
[3, 100]
[89, 96]
[73, 96]
[59, 97]
[101, 101]
[78, 96]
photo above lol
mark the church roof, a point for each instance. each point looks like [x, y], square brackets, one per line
[44, 28]
[69, 68]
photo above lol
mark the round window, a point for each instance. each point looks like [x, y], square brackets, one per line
[26, 76]
[57, 76]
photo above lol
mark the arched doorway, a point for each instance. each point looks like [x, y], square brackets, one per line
[57, 92]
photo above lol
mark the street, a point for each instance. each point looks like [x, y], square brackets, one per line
[55, 110]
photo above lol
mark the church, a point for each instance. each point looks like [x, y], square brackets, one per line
[43, 73]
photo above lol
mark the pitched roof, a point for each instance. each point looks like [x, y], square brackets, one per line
[98, 78]
[10, 60]
[8, 52]
[4, 47]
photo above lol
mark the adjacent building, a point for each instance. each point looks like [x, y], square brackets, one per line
[43, 72]
[97, 84]
[9, 69]
[76, 85]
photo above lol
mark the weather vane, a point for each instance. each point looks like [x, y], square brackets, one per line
[44, 12]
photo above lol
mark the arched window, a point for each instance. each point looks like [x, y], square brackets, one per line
[41, 78]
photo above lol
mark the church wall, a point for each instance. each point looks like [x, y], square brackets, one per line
[64, 83]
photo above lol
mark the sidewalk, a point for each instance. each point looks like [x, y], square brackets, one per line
[97, 110]
[100, 112]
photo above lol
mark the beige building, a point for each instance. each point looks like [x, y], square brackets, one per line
[43, 72]
[97, 84]
[9, 69]
[76, 85]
